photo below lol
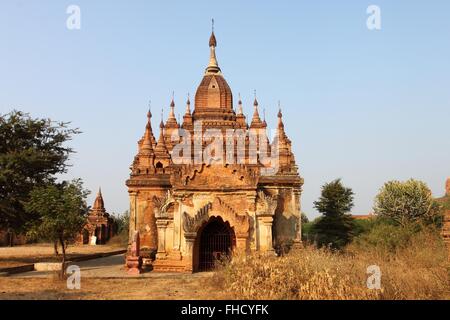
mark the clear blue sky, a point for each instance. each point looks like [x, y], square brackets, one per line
[365, 106]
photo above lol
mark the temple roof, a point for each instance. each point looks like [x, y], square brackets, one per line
[99, 204]
[213, 106]
[98, 209]
[213, 99]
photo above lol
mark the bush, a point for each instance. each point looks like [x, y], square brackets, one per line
[406, 202]
[384, 234]
[122, 223]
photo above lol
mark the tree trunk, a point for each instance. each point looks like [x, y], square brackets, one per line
[11, 238]
[63, 263]
[55, 247]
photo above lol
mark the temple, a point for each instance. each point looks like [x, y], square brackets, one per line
[99, 226]
[214, 184]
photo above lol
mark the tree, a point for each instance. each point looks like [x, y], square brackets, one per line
[406, 202]
[122, 222]
[32, 152]
[335, 228]
[62, 210]
[304, 218]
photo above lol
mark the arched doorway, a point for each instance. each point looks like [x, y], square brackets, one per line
[216, 240]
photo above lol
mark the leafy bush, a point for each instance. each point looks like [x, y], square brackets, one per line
[406, 202]
[122, 223]
[361, 226]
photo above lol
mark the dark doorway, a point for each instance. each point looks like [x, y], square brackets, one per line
[217, 240]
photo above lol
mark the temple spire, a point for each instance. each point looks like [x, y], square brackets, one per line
[99, 205]
[148, 141]
[161, 148]
[264, 118]
[280, 116]
[240, 109]
[240, 118]
[172, 120]
[172, 106]
[256, 120]
[188, 105]
[213, 66]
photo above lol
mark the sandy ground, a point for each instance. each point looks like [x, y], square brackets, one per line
[21, 255]
[182, 287]
[106, 278]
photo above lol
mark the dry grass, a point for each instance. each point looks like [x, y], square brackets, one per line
[418, 271]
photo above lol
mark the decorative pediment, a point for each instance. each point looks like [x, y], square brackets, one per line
[266, 204]
[217, 208]
[214, 177]
[163, 205]
[192, 224]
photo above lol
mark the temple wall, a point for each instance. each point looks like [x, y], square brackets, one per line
[142, 216]
[287, 217]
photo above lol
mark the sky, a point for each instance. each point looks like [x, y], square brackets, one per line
[366, 106]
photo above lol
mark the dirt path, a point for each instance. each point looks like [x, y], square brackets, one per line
[21, 255]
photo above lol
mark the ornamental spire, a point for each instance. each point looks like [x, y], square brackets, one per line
[280, 116]
[99, 205]
[188, 105]
[172, 106]
[240, 109]
[172, 120]
[256, 120]
[161, 148]
[147, 141]
[213, 66]
[187, 118]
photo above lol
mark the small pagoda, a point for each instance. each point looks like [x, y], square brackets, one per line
[100, 226]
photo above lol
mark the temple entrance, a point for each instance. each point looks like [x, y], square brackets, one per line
[216, 242]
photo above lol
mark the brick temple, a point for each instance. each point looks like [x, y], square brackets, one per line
[191, 213]
[99, 227]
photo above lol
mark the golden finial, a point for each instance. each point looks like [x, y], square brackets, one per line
[212, 39]
[213, 66]
[172, 103]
